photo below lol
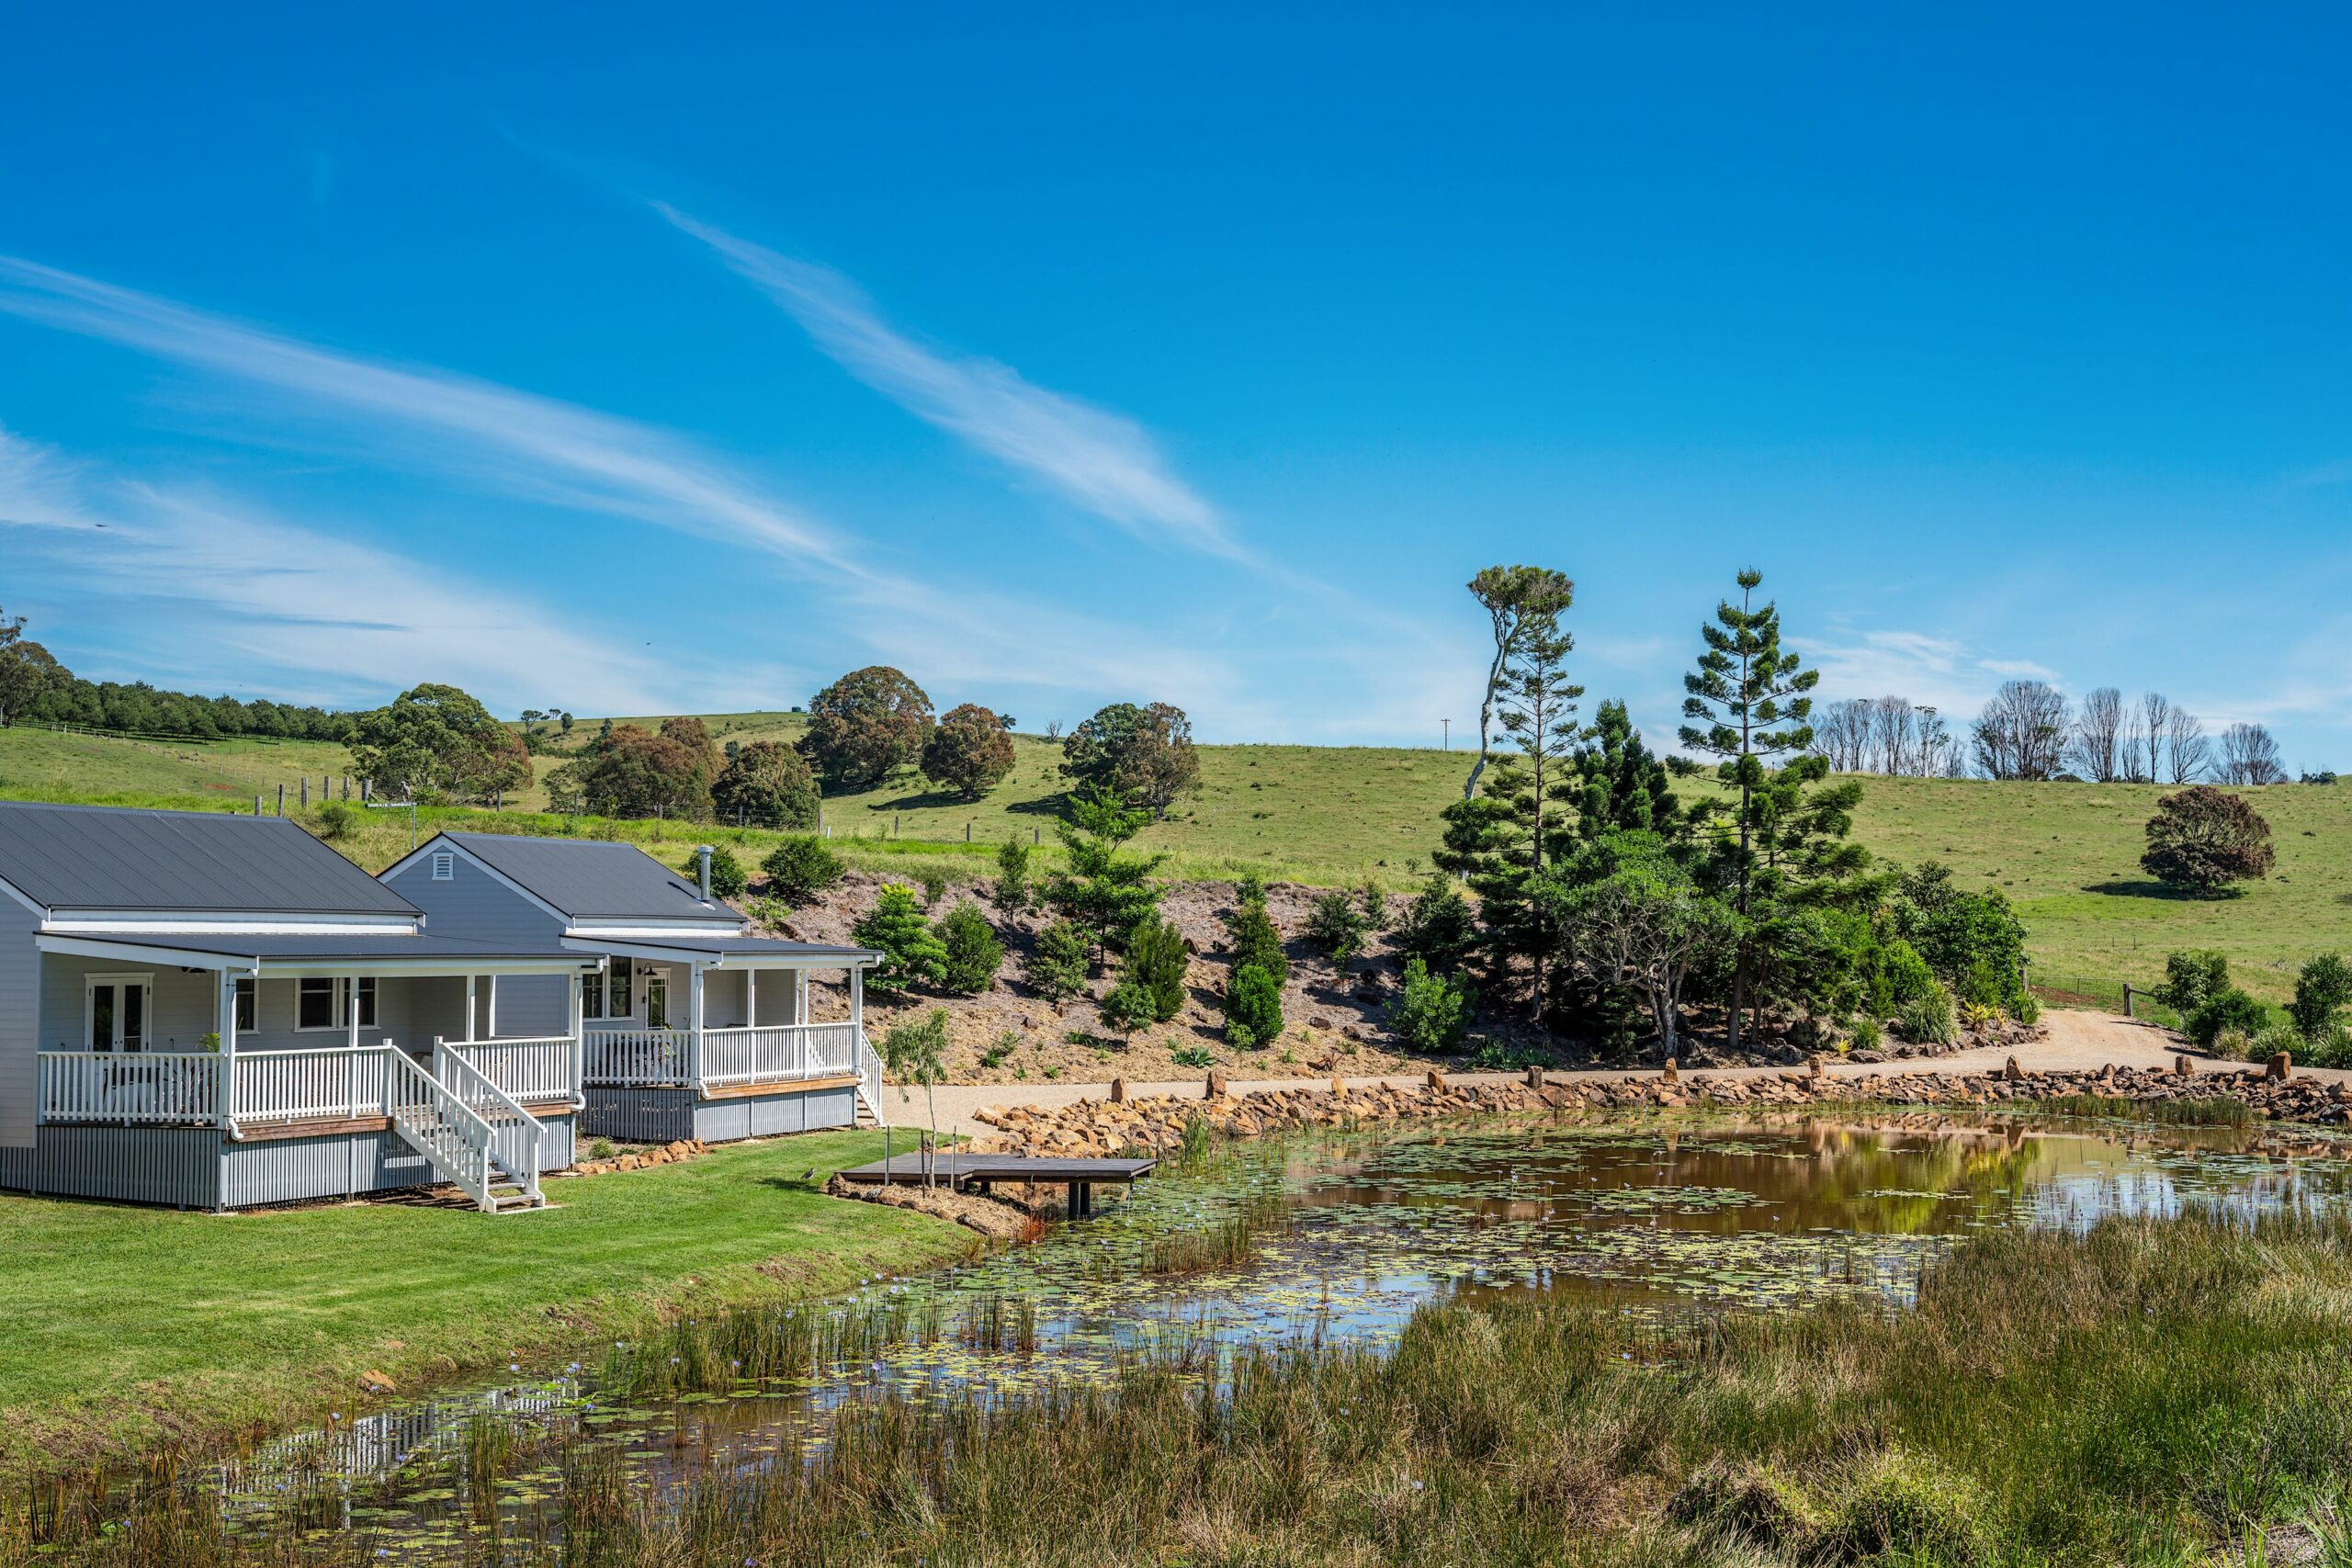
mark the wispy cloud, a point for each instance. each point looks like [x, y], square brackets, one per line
[1943, 673]
[1100, 460]
[482, 432]
[225, 596]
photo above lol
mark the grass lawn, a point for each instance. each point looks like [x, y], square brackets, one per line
[129, 1325]
[2068, 855]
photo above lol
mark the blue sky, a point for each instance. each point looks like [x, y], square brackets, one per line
[607, 362]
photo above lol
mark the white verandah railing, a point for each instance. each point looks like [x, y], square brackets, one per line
[727, 1058]
[533, 1071]
[145, 1088]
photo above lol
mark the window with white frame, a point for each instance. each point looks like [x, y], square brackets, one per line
[608, 996]
[656, 1000]
[248, 1007]
[322, 1003]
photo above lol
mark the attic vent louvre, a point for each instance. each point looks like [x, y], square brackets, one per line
[445, 865]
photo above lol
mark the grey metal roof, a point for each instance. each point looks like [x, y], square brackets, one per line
[110, 857]
[359, 947]
[718, 946]
[593, 878]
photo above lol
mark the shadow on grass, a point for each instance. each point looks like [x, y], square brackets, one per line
[2146, 889]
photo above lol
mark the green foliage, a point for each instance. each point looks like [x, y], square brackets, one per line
[1928, 1019]
[969, 752]
[728, 879]
[2322, 989]
[1195, 1056]
[1433, 1010]
[1107, 892]
[1253, 1008]
[1010, 890]
[1868, 1034]
[2227, 1008]
[1438, 926]
[1620, 787]
[972, 951]
[1157, 963]
[1335, 923]
[1634, 919]
[1129, 1007]
[766, 784]
[436, 741]
[1973, 941]
[911, 952]
[917, 1053]
[2330, 1048]
[934, 885]
[865, 725]
[1002, 1049]
[1142, 754]
[2191, 977]
[2203, 838]
[1253, 939]
[633, 772]
[338, 821]
[802, 869]
[1056, 966]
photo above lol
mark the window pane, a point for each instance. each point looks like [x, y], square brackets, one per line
[246, 1011]
[657, 1001]
[367, 1002]
[620, 989]
[315, 1008]
[591, 996]
[134, 1017]
[102, 1018]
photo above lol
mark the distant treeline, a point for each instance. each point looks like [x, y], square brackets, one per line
[139, 708]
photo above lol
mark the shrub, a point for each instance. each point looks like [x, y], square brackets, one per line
[1433, 1011]
[1253, 940]
[1868, 1035]
[2232, 1045]
[2332, 1049]
[337, 820]
[2277, 1037]
[2227, 1008]
[1926, 1019]
[1336, 924]
[1253, 1008]
[2320, 991]
[2204, 839]
[933, 885]
[802, 869]
[1128, 1007]
[727, 877]
[972, 951]
[911, 952]
[2190, 977]
[997, 1055]
[1156, 960]
[1012, 888]
[1194, 1056]
[1904, 979]
[1056, 966]
[1438, 926]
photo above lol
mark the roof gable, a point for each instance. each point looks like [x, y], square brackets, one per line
[116, 857]
[589, 879]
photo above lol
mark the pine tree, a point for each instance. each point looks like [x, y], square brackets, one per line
[1620, 788]
[911, 950]
[1104, 891]
[1517, 598]
[1747, 699]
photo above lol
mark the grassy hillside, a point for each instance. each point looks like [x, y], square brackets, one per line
[2067, 853]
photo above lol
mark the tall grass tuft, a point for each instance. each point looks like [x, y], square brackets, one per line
[2211, 1110]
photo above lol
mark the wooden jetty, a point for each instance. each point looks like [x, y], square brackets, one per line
[957, 1169]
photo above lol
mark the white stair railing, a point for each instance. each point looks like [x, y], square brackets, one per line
[439, 1125]
[869, 1079]
[514, 1133]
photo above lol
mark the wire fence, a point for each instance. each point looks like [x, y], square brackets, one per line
[2102, 992]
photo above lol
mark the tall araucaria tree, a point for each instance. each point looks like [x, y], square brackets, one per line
[1746, 702]
[1518, 599]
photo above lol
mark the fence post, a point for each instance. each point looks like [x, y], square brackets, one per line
[256, 805]
[282, 800]
[2127, 1000]
[306, 792]
[967, 832]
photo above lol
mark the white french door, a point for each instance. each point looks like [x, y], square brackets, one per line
[117, 1013]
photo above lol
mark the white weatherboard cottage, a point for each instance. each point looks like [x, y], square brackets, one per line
[216, 1011]
[693, 1028]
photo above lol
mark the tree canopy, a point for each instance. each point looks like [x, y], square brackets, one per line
[1144, 754]
[2204, 839]
[766, 784]
[866, 725]
[970, 752]
[436, 740]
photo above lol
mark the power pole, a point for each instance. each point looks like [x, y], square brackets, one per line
[1445, 736]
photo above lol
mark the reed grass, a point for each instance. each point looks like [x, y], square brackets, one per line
[2147, 1391]
[2211, 1110]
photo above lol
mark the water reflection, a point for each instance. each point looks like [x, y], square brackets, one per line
[1655, 1215]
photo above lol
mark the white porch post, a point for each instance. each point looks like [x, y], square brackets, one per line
[857, 1001]
[576, 1014]
[469, 1007]
[694, 1022]
[225, 1024]
[801, 995]
[489, 1024]
[750, 998]
[351, 1041]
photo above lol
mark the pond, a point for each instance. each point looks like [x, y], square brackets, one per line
[1323, 1238]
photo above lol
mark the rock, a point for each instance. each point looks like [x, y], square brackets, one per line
[1215, 1089]
[1433, 1079]
[2281, 1067]
[2183, 1068]
[1813, 1065]
[1317, 1021]
[1118, 1091]
[2011, 1071]
[1671, 1074]
[1535, 1077]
